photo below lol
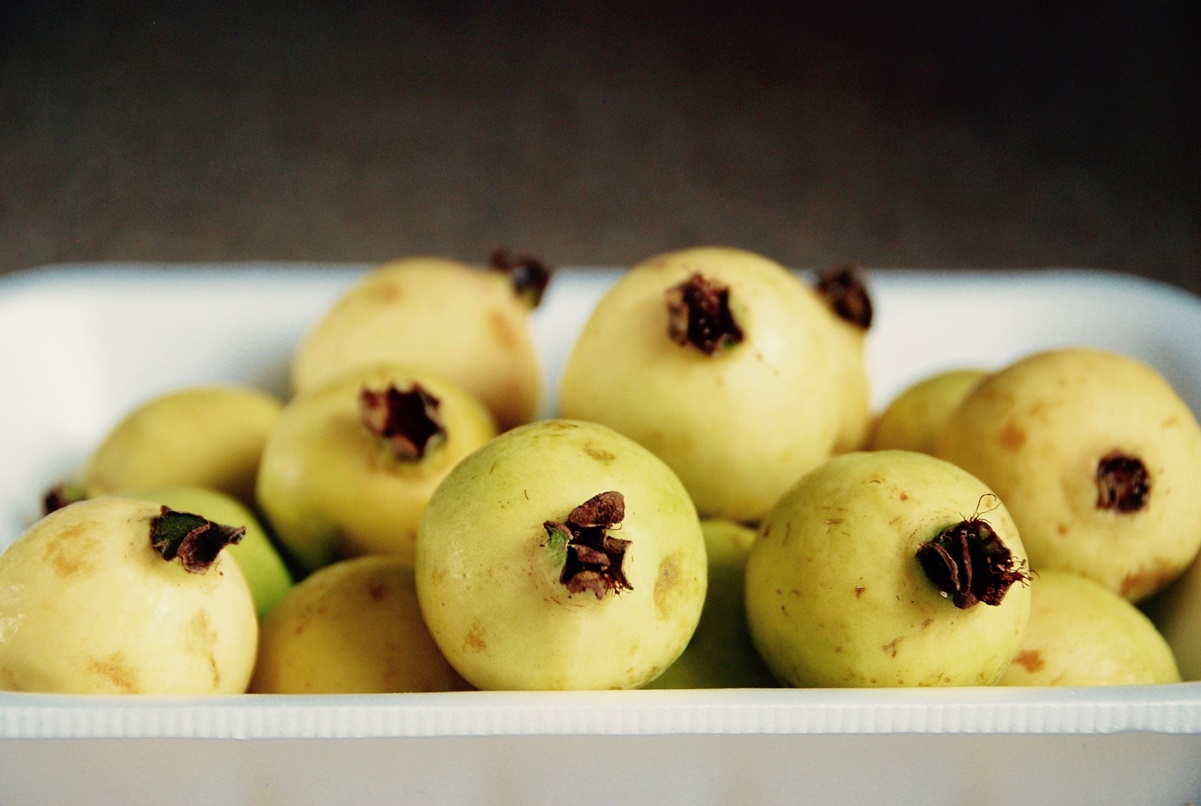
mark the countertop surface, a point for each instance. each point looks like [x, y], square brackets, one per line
[588, 133]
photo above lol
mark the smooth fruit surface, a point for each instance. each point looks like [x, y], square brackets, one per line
[208, 436]
[351, 627]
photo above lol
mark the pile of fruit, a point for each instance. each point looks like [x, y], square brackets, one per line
[714, 504]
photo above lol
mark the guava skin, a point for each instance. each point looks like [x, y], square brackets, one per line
[461, 321]
[331, 489]
[720, 654]
[914, 417]
[1176, 612]
[738, 426]
[353, 627]
[1038, 431]
[835, 594]
[87, 606]
[205, 436]
[489, 575]
[264, 568]
[1083, 634]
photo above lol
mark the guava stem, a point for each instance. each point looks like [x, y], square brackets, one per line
[699, 315]
[195, 540]
[409, 420]
[969, 564]
[528, 275]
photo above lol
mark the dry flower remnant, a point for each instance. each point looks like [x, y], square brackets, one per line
[593, 557]
[408, 420]
[61, 495]
[529, 275]
[1123, 483]
[846, 293]
[968, 563]
[699, 315]
[196, 541]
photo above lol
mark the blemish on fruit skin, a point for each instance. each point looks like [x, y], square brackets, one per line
[927, 623]
[378, 591]
[68, 553]
[1061, 529]
[904, 496]
[474, 640]
[503, 328]
[1030, 659]
[891, 646]
[1147, 581]
[666, 580]
[859, 589]
[600, 455]
[1012, 437]
[116, 670]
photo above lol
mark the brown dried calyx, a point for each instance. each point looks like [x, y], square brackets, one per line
[1123, 483]
[845, 291]
[408, 420]
[195, 540]
[593, 556]
[529, 275]
[61, 495]
[969, 563]
[698, 312]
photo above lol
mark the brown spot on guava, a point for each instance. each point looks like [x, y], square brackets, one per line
[503, 330]
[116, 670]
[474, 640]
[1061, 529]
[1030, 659]
[904, 496]
[378, 591]
[891, 646]
[1139, 584]
[1012, 437]
[599, 454]
[859, 589]
[69, 551]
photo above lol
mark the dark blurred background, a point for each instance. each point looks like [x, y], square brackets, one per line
[891, 134]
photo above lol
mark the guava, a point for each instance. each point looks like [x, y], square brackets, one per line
[119, 596]
[468, 323]
[1096, 456]
[722, 363]
[351, 627]
[349, 466]
[1083, 634]
[913, 418]
[265, 570]
[720, 654]
[204, 436]
[887, 568]
[561, 555]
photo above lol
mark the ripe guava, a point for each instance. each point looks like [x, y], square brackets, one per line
[561, 555]
[887, 568]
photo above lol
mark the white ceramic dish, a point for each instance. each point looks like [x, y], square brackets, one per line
[81, 344]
